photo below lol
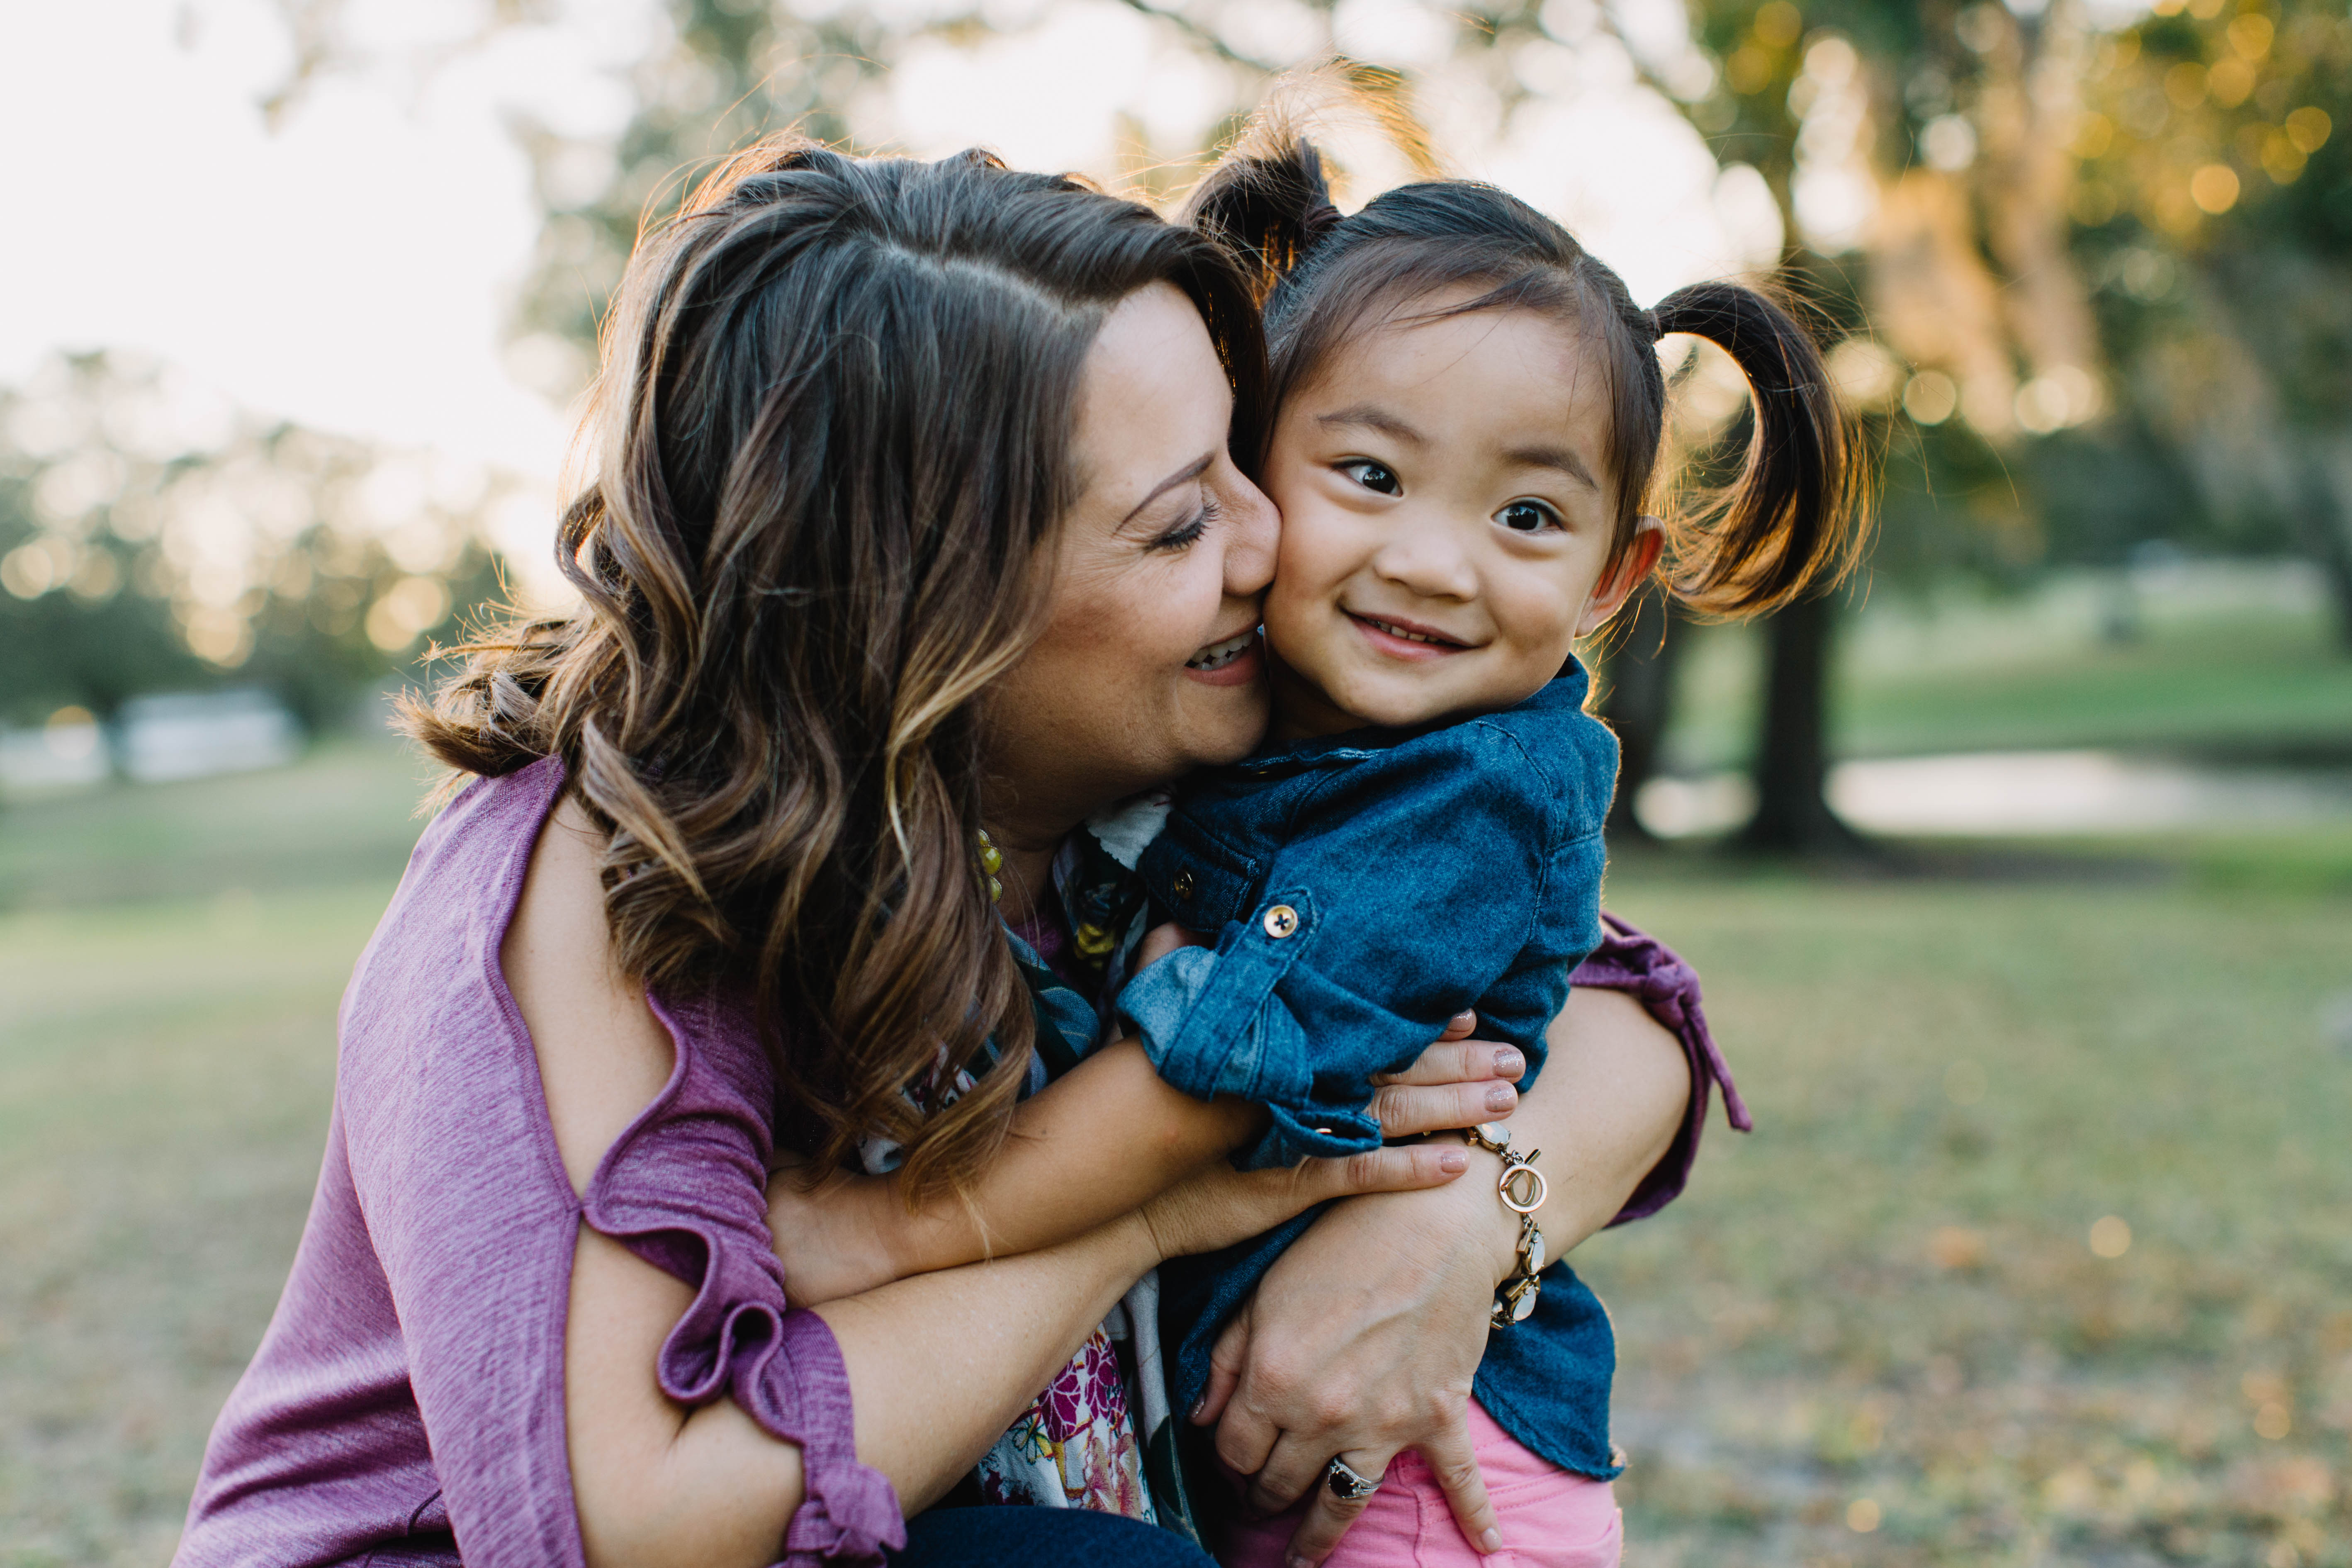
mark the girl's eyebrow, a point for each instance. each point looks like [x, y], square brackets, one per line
[1191, 470]
[1558, 459]
[1367, 417]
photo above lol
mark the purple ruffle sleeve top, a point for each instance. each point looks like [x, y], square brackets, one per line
[406, 1403]
[407, 1400]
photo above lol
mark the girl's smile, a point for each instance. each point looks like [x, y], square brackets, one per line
[1401, 638]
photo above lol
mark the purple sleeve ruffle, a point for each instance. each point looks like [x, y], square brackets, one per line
[1630, 960]
[685, 1188]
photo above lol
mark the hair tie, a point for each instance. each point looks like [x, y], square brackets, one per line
[1316, 222]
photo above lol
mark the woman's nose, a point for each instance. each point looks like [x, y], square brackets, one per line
[1254, 537]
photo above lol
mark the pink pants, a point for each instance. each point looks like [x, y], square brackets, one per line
[1549, 1518]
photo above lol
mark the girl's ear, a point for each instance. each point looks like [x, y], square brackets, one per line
[1632, 568]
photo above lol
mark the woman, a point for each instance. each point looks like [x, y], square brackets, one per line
[902, 524]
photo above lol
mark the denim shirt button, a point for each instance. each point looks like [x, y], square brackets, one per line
[1182, 883]
[1281, 920]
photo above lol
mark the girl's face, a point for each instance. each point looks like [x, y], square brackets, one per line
[1148, 665]
[1447, 519]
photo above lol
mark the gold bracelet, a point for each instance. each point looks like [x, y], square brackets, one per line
[1522, 1189]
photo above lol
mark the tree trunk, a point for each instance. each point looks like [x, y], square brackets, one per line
[1792, 817]
[1641, 702]
[2327, 531]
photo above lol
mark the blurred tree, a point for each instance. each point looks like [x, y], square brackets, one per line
[150, 540]
[1919, 156]
[1927, 161]
[729, 72]
[2215, 208]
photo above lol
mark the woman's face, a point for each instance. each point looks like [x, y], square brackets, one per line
[1148, 664]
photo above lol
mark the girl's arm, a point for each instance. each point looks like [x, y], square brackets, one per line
[1364, 1337]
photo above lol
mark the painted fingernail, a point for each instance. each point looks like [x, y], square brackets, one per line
[1295, 1561]
[1491, 1543]
[1501, 1097]
[1453, 1161]
[1509, 1063]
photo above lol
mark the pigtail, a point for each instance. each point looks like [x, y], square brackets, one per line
[1268, 202]
[1789, 525]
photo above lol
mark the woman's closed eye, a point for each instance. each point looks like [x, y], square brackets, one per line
[1190, 531]
[1530, 517]
[1374, 477]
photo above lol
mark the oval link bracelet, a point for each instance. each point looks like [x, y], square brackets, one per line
[1522, 1189]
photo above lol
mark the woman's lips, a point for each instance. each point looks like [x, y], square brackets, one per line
[1234, 661]
[1405, 648]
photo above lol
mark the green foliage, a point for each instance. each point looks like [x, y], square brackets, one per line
[93, 650]
[2215, 213]
[138, 554]
[730, 74]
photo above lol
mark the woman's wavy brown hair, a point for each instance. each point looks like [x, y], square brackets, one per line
[834, 437]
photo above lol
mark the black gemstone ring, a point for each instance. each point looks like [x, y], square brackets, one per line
[1348, 1483]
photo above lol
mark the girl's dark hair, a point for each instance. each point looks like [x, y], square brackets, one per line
[833, 437]
[1790, 523]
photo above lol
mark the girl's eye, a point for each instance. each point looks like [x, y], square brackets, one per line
[1373, 477]
[1190, 531]
[1527, 517]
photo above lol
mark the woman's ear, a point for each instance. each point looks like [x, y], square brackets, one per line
[1629, 571]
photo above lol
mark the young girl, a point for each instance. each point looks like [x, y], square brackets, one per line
[1468, 423]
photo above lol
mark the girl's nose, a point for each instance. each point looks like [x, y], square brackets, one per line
[1425, 558]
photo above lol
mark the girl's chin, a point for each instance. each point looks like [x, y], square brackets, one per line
[1381, 705]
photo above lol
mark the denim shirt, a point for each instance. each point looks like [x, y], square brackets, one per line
[1424, 873]
[1363, 889]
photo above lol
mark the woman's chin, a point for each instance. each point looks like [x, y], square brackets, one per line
[1226, 722]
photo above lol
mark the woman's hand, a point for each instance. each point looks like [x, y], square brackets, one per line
[1221, 1206]
[1361, 1342]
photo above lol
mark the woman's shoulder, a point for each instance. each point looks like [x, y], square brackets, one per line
[614, 1060]
[492, 982]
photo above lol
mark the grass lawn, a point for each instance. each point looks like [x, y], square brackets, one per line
[2234, 680]
[1875, 1332]
[1880, 1330]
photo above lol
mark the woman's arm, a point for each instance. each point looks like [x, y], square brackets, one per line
[1364, 1337]
[938, 1365]
[1106, 1138]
